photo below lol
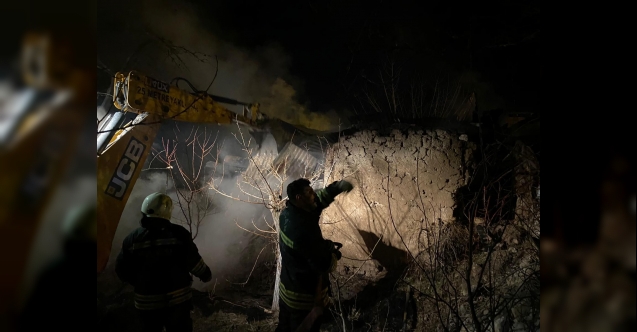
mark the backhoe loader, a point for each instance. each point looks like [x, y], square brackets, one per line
[120, 160]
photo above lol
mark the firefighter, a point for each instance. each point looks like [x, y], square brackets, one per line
[307, 258]
[157, 259]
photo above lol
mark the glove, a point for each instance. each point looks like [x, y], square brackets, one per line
[334, 247]
[344, 186]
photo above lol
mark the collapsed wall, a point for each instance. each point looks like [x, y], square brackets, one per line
[405, 183]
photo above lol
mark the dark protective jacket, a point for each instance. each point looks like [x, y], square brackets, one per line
[306, 256]
[157, 259]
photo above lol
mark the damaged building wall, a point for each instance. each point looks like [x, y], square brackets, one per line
[409, 184]
[395, 174]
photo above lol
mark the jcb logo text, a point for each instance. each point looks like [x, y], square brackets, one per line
[125, 169]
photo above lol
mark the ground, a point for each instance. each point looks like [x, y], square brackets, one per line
[246, 308]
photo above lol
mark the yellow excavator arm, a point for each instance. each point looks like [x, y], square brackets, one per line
[119, 163]
[138, 93]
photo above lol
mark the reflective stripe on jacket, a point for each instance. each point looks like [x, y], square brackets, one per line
[152, 302]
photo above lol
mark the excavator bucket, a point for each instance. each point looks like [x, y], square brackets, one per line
[294, 161]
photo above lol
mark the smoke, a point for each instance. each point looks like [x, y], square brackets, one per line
[220, 241]
[179, 25]
[168, 39]
[259, 75]
[281, 104]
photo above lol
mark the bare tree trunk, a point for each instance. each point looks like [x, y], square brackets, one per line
[277, 278]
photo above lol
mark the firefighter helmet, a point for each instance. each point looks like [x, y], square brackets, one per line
[158, 205]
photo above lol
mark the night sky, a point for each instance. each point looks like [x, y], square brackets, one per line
[333, 44]
[337, 48]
